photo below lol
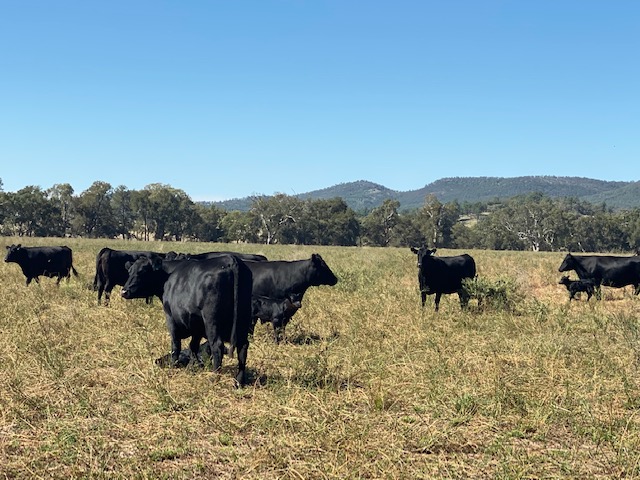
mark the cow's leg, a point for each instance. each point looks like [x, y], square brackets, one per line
[217, 351]
[107, 293]
[99, 286]
[438, 295]
[278, 328]
[242, 363]
[636, 288]
[194, 348]
[278, 332]
[176, 341]
[176, 348]
[423, 296]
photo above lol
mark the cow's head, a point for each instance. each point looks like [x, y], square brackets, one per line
[423, 253]
[146, 278]
[569, 263]
[15, 253]
[295, 300]
[564, 280]
[321, 273]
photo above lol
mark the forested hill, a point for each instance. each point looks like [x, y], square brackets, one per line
[364, 196]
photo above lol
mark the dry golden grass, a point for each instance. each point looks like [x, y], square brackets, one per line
[368, 386]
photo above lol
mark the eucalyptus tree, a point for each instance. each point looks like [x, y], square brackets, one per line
[239, 227]
[61, 196]
[632, 228]
[378, 227]
[29, 212]
[535, 219]
[94, 213]
[436, 221]
[172, 213]
[209, 229]
[141, 206]
[326, 222]
[123, 211]
[601, 232]
[274, 214]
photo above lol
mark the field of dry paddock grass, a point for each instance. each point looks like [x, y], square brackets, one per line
[368, 384]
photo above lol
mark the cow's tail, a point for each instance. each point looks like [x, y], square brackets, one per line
[242, 287]
[236, 303]
[72, 268]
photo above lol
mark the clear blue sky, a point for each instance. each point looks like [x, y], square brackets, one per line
[231, 98]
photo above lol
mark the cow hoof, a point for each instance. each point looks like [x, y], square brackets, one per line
[239, 381]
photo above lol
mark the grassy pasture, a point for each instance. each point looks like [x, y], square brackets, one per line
[369, 385]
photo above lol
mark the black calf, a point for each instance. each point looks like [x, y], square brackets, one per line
[278, 311]
[574, 286]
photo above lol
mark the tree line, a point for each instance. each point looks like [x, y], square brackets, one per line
[160, 212]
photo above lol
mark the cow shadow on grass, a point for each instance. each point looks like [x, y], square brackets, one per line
[253, 377]
[184, 362]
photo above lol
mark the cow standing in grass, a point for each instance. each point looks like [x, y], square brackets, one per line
[47, 261]
[201, 299]
[443, 274]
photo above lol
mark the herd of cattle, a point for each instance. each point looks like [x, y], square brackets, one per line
[220, 296]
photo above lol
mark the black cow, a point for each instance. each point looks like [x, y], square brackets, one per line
[206, 299]
[281, 279]
[443, 274]
[207, 255]
[607, 270]
[111, 269]
[574, 286]
[47, 261]
[278, 311]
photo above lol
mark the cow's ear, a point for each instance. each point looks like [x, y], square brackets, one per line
[414, 250]
[8, 247]
[432, 251]
[19, 245]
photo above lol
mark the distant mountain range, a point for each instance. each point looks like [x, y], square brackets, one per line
[362, 196]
